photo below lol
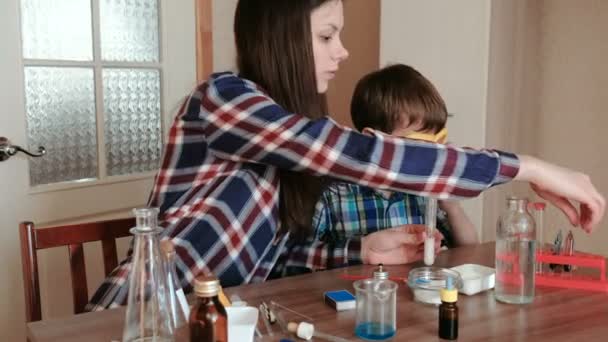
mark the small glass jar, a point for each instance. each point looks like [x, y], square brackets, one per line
[426, 282]
[376, 309]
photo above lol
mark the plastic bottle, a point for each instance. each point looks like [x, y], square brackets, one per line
[147, 317]
[208, 318]
[515, 254]
[448, 311]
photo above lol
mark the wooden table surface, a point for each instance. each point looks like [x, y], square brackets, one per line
[556, 314]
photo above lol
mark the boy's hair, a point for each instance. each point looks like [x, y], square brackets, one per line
[385, 98]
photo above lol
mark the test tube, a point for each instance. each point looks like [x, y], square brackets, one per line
[539, 209]
[431, 221]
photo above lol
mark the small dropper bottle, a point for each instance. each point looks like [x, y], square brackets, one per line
[448, 312]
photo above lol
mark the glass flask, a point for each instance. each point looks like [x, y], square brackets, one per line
[515, 254]
[148, 317]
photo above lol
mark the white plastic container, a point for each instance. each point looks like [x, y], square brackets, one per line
[475, 278]
[241, 323]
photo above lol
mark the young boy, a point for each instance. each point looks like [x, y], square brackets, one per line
[399, 101]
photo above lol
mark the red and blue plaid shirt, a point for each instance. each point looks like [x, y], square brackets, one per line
[217, 188]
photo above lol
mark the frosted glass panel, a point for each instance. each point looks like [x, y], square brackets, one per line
[131, 99]
[57, 29]
[129, 30]
[60, 108]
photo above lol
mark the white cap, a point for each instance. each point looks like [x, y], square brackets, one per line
[303, 330]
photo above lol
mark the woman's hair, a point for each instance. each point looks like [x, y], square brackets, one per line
[274, 50]
[384, 98]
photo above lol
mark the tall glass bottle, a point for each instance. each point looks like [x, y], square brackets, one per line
[208, 318]
[147, 317]
[515, 254]
[178, 306]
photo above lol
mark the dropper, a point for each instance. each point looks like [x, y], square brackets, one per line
[306, 331]
[431, 222]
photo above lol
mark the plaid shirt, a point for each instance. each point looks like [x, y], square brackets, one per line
[217, 187]
[345, 213]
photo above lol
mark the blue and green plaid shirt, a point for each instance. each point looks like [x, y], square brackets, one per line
[346, 211]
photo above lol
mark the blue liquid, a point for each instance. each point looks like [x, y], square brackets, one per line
[374, 331]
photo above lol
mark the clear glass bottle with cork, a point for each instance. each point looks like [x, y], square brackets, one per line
[208, 319]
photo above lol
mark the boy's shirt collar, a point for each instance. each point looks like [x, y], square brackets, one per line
[440, 137]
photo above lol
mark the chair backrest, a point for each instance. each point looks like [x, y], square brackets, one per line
[72, 236]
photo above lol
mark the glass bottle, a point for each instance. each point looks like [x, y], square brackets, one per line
[178, 305]
[208, 318]
[147, 317]
[515, 254]
[448, 311]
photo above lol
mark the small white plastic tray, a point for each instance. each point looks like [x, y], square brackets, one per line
[475, 278]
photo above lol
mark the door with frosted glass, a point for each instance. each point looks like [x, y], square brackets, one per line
[96, 83]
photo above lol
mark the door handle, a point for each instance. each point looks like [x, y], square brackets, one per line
[8, 150]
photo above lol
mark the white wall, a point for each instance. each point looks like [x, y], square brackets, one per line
[512, 84]
[524, 76]
[573, 99]
[448, 43]
[224, 50]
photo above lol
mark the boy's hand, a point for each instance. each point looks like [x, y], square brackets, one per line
[395, 246]
[448, 206]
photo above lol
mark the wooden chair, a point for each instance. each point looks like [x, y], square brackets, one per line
[72, 236]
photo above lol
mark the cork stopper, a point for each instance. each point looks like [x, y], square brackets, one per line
[206, 286]
[303, 330]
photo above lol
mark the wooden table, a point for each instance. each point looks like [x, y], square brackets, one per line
[555, 315]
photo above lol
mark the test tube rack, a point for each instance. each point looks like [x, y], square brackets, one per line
[563, 279]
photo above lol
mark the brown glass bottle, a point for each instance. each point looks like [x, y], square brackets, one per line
[448, 313]
[208, 320]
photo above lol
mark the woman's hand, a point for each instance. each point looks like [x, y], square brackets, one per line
[395, 246]
[560, 186]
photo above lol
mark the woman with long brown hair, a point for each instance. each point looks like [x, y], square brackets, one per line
[246, 155]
